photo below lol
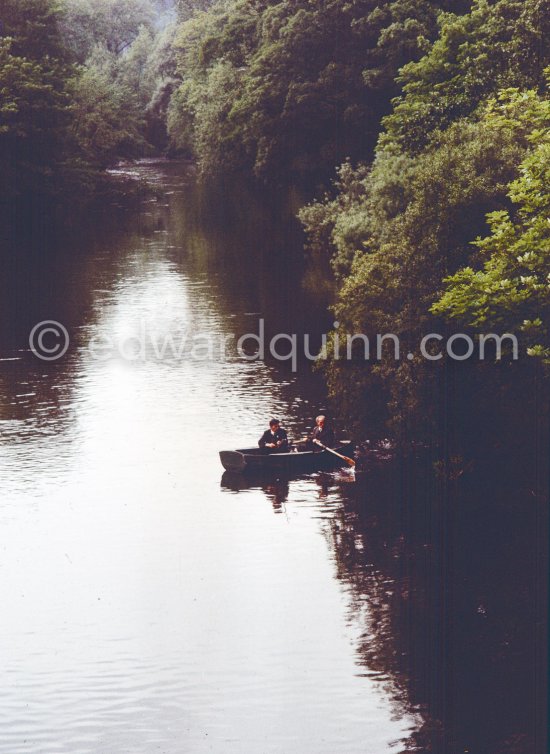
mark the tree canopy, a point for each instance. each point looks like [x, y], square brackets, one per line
[462, 155]
[35, 109]
[508, 289]
[288, 90]
[84, 83]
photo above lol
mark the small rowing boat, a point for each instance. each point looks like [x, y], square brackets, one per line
[295, 461]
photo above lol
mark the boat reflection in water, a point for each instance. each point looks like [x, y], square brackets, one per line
[276, 487]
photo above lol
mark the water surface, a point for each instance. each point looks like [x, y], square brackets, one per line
[150, 604]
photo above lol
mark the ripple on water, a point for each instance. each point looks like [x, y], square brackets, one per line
[151, 607]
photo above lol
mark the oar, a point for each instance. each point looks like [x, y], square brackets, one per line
[349, 461]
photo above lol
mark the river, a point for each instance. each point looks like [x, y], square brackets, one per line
[153, 604]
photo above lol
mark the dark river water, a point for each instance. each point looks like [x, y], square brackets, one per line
[151, 603]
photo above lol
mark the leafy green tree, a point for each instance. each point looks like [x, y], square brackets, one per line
[35, 108]
[187, 8]
[497, 45]
[511, 290]
[126, 79]
[135, 69]
[305, 84]
[396, 228]
[396, 239]
[34, 28]
[112, 24]
[148, 70]
[107, 117]
[162, 77]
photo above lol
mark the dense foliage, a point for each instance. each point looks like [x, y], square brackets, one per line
[508, 287]
[290, 89]
[83, 82]
[468, 136]
[35, 106]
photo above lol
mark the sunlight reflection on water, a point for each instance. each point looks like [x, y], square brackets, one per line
[147, 605]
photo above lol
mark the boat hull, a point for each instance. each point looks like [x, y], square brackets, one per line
[252, 460]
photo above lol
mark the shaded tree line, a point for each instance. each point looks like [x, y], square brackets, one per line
[287, 90]
[84, 83]
[446, 230]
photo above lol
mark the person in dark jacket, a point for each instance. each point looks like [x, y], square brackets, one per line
[274, 439]
[322, 432]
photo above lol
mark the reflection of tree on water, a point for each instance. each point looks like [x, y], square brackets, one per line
[450, 606]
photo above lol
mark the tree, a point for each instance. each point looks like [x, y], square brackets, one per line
[34, 28]
[112, 24]
[108, 120]
[396, 228]
[127, 75]
[187, 8]
[511, 290]
[401, 228]
[496, 45]
[309, 82]
[35, 109]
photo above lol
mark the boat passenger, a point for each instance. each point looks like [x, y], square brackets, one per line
[274, 439]
[322, 432]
